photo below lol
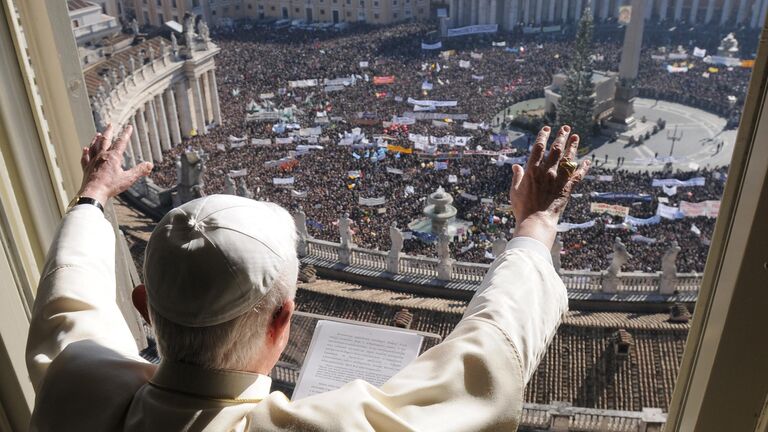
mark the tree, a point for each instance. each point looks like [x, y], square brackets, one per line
[577, 102]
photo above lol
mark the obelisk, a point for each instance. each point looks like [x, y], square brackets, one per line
[626, 89]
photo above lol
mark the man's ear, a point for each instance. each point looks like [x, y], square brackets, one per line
[139, 297]
[281, 321]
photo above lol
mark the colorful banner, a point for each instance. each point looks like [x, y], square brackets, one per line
[708, 209]
[399, 149]
[611, 209]
[383, 80]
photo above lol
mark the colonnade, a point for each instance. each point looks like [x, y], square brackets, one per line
[511, 13]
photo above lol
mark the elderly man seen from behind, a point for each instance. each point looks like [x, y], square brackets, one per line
[220, 276]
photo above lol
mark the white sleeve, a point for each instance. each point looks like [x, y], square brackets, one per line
[76, 295]
[525, 297]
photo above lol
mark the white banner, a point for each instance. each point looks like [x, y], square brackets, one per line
[363, 64]
[699, 52]
[677, 69]
[284, 141]
[465, 64]
[303, 83]
[238, 173]
[668, 212]
[725, 61]
[476, 56]
[236, 140]
[266, 96]
[418, 139]
[426, 85]
[677, 56]
[282, 181]
[453, 179]
[403, 120]
[696, 181]
[261, 141]
[469, 196]
[565, 226]
[298, 194]
[475, 29]
[708, 209]
[391, 170]
[478, 77]
[434, 46]
[637, 238]
[371, 202]
[670, 190]
[499, 44]
[433, 103]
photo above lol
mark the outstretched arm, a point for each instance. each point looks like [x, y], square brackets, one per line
[474, 380]
[76, 295]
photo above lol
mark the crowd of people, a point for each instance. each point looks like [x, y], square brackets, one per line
[329, 181]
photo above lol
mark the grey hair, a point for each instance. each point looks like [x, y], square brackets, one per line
[231, 345]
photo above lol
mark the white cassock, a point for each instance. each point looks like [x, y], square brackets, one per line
[88, 374]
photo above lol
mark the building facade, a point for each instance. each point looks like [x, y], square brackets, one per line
[166, 92]
[509, 14]
[156, 12]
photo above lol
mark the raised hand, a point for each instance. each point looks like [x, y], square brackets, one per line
[540, 192]
[102, 163]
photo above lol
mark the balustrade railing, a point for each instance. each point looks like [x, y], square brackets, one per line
[473, 273]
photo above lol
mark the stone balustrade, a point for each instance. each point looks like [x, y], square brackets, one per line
[564, 417]
[473, 273]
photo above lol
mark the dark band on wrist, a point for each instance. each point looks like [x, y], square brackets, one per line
[91, 201]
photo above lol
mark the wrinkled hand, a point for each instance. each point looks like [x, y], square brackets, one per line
[102, 163]
[540, 193]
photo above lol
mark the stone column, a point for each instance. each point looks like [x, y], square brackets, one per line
[187, 122]
[482, 12]
[514, 13]
[206, 91]
[141, 123]
[577, 12]
[539, 11]
[763, 12]
[162, 123]
[198, 101]
[678, 10]
[454, 11]
[551, 14]
[173, 117]
[742, 12]
[493, 12]
[154, 135]
[564, 12]
[649, 9]
[725, 12]
[694, 11]
[135, 143]
[604, 9]
[756, 8]
[473, 11]
[214, 90]
[710, 11]
[128, 157]
[461, 16]
[663, 10]
[528, 13]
